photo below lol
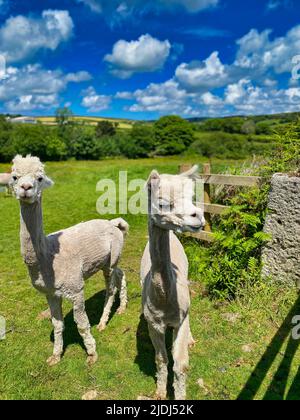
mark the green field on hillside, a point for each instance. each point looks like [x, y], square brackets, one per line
[122, 124]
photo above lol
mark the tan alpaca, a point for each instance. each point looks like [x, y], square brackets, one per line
[164, 273]
[60, 263]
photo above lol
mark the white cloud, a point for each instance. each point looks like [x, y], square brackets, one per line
[124, 95]
[246, 98]
[258, 58]
[81, 76]
[30, 102]
[249, 85]
[32, 87]
[237, 91]
[165, 97]
[147, 54]
[210, 100]
[94, 102]
[21, 37]
[205, 75]
[243, 98]
[128, 7]
[258, 53]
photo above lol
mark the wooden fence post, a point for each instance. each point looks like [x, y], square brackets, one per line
[207, 200]
[185, 167]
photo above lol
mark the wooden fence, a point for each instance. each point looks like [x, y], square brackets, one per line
[216, 209]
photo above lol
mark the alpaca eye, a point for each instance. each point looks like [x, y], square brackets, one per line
[15, 178]
[165, 206]
[40, 179]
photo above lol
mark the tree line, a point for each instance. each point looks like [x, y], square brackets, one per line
[232, 138]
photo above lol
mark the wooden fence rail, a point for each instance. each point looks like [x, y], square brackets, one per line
[208, 179]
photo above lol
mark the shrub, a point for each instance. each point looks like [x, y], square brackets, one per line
[220, 145]
[140, 142]
[234, 259]
[36, 140]
[83, 144]
[173, 135]
[105, 128]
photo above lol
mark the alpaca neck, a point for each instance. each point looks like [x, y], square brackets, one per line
[33, 240]
[161, 266]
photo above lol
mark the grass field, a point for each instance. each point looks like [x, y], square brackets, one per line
[122, 124]
[243, 348]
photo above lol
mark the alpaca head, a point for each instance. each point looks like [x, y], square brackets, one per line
[171, 202]
[28, 178]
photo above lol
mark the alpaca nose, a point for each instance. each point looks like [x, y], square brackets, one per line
[27, 187]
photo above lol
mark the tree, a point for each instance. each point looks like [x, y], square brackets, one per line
[173, 135]
[5, 138]
[105, 128]
[248, 127]
[83, 145]
[141, 142]
[63, 116]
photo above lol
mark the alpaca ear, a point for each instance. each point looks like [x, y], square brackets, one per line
[191, 173]
[153, 180]
[47, 183]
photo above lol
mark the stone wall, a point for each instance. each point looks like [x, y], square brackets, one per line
[281, 256]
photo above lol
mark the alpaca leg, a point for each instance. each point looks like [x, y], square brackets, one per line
[122, 286]
[111, 291]
[161, 357]
[181, 358]
[55, 305]
[84, 328]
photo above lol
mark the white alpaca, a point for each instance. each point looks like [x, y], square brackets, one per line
[59, 264]
[164, 273]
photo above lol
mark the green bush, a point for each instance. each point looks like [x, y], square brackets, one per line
[140, 142]
[173, 135]
[221, 145]
[105, 129]
[228, 125]
[83, 145]
[36, 140]
[234, 259]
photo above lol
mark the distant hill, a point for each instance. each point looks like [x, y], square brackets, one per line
[285, 117]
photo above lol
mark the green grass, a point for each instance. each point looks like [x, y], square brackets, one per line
[125, 368]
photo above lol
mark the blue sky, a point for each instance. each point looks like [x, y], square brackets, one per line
[140, 59]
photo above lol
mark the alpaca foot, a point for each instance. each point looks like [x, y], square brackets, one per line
[53, 360]
[101, 327]
[121, 310]
[92, 359]
[44, 315]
